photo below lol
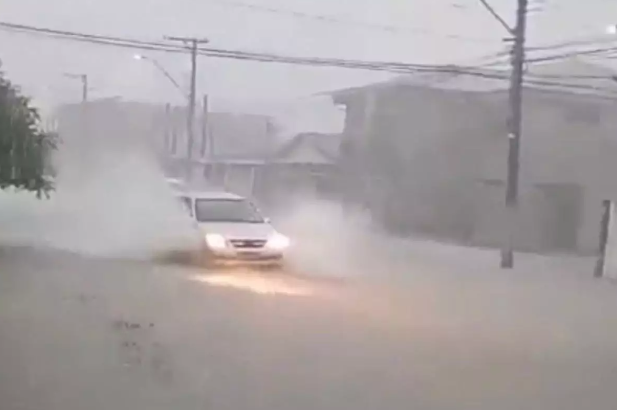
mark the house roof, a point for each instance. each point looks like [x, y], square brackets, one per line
[235, 135]
[319, 148]
[570, 76]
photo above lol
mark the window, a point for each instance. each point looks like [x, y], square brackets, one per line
[227, 210]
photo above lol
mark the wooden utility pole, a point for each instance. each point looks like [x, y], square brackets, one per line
[514, 133]
[192, 43]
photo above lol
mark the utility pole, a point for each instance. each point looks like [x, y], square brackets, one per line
[514, 132]
[192, 43]
[206, 147]
[84, 88]
[84, 84]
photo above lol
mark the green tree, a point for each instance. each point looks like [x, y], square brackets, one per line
[25, 149]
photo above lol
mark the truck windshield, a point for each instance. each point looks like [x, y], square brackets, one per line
[226, 210]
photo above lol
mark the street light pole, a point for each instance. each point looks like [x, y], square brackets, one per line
[162, 69]
[193, 44]
[514, 132]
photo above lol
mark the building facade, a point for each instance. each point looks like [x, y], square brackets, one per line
[433, 157]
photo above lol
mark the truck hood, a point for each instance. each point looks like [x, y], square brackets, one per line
[239, 230]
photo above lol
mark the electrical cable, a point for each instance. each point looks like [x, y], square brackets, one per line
[339, 21]
[394, 67]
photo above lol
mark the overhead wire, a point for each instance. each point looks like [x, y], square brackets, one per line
[387, 66]
[573, 43]
[221, 53]
[342, 21]
[562, 56]
[495, 58]
[536, 7]
[503, 57]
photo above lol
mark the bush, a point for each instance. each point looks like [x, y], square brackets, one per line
[25, 149]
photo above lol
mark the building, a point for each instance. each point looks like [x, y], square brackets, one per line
[238, 152]
[429, 152]
[113, 124]
[304, 165]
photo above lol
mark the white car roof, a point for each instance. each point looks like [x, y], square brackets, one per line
[211, 195]
[175, 182]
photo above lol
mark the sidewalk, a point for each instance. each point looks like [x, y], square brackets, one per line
[461, 258]
[396, 257]
[333, 242]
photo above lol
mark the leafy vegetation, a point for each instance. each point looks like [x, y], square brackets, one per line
[25, 149]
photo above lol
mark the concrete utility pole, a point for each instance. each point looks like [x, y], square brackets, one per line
[84, 88]
[607, 212]
[514, 132]
[193, 44]
[206, 144]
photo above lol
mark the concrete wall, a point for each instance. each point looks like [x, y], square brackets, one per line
[535, 210]
[427, 145]
[573, 139]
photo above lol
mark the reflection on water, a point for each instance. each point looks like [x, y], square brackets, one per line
[262, 284]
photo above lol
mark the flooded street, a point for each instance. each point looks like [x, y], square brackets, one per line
[102, 334]
[430, 182]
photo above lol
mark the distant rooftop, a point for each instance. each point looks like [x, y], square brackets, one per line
[214, 194]
[231, 135]
[570, 76]
[327, 145]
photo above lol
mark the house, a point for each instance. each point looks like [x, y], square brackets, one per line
[429, 154]
[115, 124]
[307, 163]
[220, 138]
[95, 134]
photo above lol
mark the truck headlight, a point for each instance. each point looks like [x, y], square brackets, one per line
[278, 242]
[216, 241]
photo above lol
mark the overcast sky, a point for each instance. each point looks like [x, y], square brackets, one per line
[423, 31]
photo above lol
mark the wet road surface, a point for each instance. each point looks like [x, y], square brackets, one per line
[82, 333]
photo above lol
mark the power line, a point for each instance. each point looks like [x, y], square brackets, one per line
[498, 58]
[220, 53]
[393, 67]
[271, 57]
[562, 56]
[339, 21]
[553, 47]
[573, 43]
